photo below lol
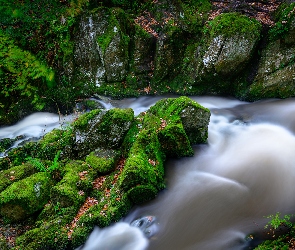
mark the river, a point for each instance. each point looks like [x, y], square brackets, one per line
[214, 199]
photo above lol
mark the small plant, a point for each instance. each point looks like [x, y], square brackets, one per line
[276, 221]
[281, 230]
[55, 164]
[37, 164]
[40, 166]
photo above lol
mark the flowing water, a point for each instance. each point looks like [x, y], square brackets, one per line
[214, 199]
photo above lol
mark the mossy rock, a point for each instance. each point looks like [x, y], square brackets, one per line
[55, 141]
[276, 72]
[194, 117]
[174, 141]
[106, 129]
[25, 197]
[103, 161]
[14, 174]
[51, 235]
[70, 191]
[142, 193]
[228, 45]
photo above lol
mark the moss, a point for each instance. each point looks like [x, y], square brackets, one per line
[14, 174]
[18, 155]
[103, 161]
[77, 177]
[4, 163]
[174, 141]
[142, 193]
[194, 13]
[25, 197]
[82, 122]
[54, 141]
[5, 143]
[144, 164]
[230, 24]
[283, 18]
[51, 235]
[105, 39]
[117, 90]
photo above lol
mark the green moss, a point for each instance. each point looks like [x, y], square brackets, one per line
[51, 235]
[14, 174]
[194, 13]
[77, 177]
[5, 143]
[25, 197]
[103, 161]
[230, 24]
[142, 193]
[105, 39]
[55, 141]
[18, 155]
[144, 164]
[117, 90]
[174, 141]
[284, 17]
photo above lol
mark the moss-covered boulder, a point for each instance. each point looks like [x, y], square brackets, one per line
[25, 197]
[70, 191]
[276, 71]
[194, 117]
[230, 42]
[103, 161]
[100, 48]
[14, 174]
[105, 129]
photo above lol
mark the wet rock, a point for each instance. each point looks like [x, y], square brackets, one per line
[101, 49]
[147, 224]
[231, 41]
[25, 197]
[276, 71]
[105, 129]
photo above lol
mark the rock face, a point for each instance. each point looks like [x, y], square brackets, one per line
[93, 171]
[100, 50]
[148, 55]
[276, 72]
[231, 43]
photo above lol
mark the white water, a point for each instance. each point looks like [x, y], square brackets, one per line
[214, 199]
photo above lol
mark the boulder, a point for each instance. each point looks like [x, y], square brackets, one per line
[276, 71]
[101, 49]
[25, 197]
[231, 39]
[105, 129]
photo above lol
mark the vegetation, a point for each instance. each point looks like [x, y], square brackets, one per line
[229, 24]
[276, 225]
[284, 17]
[94, 170]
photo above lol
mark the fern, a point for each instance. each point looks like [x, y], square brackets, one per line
[55, 163]
[40, 166]
[37, 164]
